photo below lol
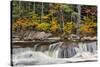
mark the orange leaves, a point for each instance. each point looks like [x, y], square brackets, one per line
[20, 24]
[88, 27]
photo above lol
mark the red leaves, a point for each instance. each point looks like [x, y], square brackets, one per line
[89, 10]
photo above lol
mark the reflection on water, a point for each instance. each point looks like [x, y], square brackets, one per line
[59, 52]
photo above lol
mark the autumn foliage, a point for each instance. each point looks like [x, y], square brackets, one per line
[54, 26]
[54, 18]
[69, 27]
[88, 27]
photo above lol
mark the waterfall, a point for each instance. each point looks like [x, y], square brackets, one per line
[92, 47]
[87, 47]
[35, 47]
[62, 50]
[58, 50]
[82, 47]
[54, 49]
[66, 51]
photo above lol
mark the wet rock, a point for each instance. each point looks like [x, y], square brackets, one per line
[89, 38]
[72, 37]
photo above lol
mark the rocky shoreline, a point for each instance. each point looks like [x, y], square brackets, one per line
[43, 36]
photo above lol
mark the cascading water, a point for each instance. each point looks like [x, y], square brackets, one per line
[66, 52]
[35, 46]
[59, 52]
[87, 47]
[92, 47]
[54, 49]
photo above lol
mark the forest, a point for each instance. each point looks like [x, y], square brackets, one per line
[56, 18]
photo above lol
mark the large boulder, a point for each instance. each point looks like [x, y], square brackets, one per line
[37, 36]
[29, 35]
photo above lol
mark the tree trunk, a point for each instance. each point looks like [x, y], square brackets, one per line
[42, 12]
[34, 7]
[62, 18]
[79, 19]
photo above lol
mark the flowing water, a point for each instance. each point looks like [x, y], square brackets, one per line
[59, 52]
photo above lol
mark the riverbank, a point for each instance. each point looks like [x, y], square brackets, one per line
[43, 36]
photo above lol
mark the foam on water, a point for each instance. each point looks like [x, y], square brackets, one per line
[39, 58]
[28, 56]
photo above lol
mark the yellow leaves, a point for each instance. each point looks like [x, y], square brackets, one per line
[45, 17]
[43, 26]
[69, 26]
[54, 26]
[88, 27]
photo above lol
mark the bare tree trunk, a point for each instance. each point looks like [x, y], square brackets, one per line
[79, 19]
[62, 17]
[62, 20]
[42, 12]
[34, 7]
[29, 6]
[19, 3]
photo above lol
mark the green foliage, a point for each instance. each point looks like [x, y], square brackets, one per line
[66, 8]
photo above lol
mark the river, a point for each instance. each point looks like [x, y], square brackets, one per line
[55, 53]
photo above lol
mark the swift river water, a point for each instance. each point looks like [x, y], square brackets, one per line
[55, 53]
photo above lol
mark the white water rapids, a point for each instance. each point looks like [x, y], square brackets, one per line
[55, 54]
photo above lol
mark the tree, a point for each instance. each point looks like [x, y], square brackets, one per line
[69, 27]
[20, 24]
[43, 27]
[54, 26]
[53, 17]
[88, 28]
[89, 11]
